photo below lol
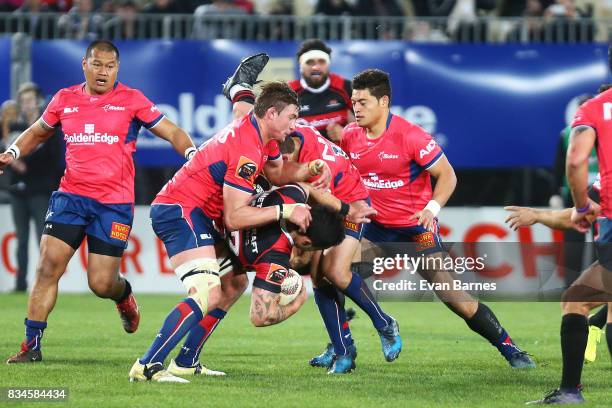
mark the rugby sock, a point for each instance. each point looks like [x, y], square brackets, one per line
[485, 323]
[190, 352]
[126, 292]
[180, 320]
[239, 93]
[609, 337]
[359, 293]
[33, 333]
[334, 318]
[599, 319]
[574, 335]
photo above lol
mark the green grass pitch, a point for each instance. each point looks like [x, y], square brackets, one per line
[443, 363]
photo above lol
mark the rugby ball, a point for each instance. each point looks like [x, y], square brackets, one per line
[290, 288]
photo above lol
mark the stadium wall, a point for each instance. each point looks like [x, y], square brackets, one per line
[146, 265]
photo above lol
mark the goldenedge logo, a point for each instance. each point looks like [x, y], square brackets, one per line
[84, 138]
[381, 184]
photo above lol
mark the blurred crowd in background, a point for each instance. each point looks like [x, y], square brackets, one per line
[461, 20]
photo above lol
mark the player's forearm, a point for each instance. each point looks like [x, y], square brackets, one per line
[319, 196]
[557, 219]
[292, 172]
[266, 310]
[250, 217]
[30, 138]
[181, 141]
[577, 179]
[445, 186]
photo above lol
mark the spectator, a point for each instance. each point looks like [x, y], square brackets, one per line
[463, 17]
[9, 112]
[34, 24]
[161, 26]
[32, 178]
[10, 5]
[333, 8]
[530, 29]
[217, 26]
[380, 8]
[125, 25]
[567, 23]
[79, 23]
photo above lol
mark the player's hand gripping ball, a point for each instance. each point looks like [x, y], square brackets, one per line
[290, 288]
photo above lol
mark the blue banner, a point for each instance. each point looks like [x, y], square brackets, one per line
[5, 68]
[489, 106]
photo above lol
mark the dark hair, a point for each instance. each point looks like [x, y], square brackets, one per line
[603, 88]
[310, 45]
[29, 87]
[326, 228]
[275, 94]
[287, 146]
[375, 81]
[102, 45]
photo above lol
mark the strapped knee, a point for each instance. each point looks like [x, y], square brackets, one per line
[202, 275]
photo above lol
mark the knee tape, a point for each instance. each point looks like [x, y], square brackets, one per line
[202, 275]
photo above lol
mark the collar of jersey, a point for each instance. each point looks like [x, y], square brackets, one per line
[256, 126]
[320, 89]
[82, 89]
[283, 226]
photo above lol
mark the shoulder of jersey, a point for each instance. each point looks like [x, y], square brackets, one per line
[295, 84]
[337, 81]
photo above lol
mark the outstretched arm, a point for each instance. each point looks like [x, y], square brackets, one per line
[266, 309]
[27, 141]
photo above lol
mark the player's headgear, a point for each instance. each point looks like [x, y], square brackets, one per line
[311, 49]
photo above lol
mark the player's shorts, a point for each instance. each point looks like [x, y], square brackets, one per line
[603, 243]
[181, 229]
[355, 230]
[71, 217]
[425, 242]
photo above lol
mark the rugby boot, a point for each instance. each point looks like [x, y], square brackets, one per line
[246, 74]
[559, 397]
[152, 372]
[391, 341]
[344, 364]
[325, 359]
[25, 355]
[197, 369]
[129, 313]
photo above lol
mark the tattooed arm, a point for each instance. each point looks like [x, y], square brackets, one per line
[266, 310]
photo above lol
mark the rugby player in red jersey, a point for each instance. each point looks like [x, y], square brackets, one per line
[100, 120]
[396, 159]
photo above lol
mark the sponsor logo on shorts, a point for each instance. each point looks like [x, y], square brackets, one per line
[425, 241]
[352, 226]
[120, 231]
[276, 274]
[247, 169]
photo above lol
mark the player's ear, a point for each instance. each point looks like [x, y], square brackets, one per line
[384, 101]
[271, 113]
[84, 63]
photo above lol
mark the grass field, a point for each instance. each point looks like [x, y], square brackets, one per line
[443, 364]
